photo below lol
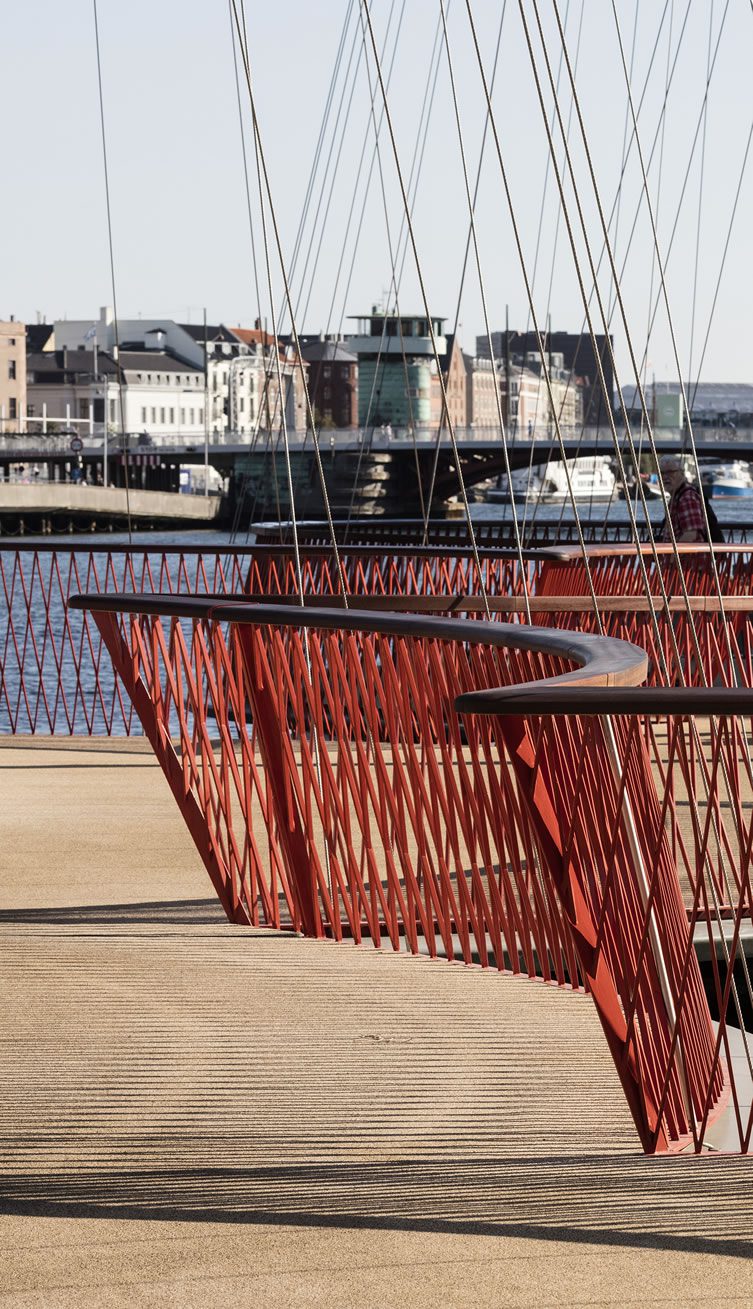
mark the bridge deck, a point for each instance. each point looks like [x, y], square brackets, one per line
[197, 1114]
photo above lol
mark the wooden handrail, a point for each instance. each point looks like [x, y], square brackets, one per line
[599, 660]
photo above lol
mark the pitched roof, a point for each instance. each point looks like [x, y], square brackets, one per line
[156, 361]
[54, 365]
[213, 333]
[254, 336]
[319, 351]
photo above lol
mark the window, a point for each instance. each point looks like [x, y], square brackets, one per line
[327, 370]
[162, 415]
[154, 414]
[192, 419]
[11, 370]
[83, 408]
[11, 340]
[143, 414]
[13, 407]
[182, 417]
[172, 417]
[242, 404]
[201, 415]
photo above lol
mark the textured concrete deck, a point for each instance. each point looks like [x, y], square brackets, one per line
[198, 1115]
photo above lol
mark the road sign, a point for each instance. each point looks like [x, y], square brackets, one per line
[77, 444]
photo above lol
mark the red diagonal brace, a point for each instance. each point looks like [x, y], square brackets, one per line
[270, 732]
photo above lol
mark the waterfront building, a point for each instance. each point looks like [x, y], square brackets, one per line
[79, 389]
[397, 375]
[333, 381]
[271, 355]
[483, 386]
[164, 382]
[237, 368]
[12, 376]
[454, 377]
[527, 408]
[579, 359]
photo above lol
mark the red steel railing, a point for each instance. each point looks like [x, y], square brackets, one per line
[53, 678]
[330, 785]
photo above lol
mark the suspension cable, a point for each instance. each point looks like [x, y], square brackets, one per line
[116, 334]
[309, 412]
[484, 306]
[464, 268]
[430, 324]
[701, 179]
[659, 128]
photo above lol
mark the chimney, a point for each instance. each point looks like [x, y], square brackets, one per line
[65, 357]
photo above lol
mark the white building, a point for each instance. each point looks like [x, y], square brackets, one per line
[530, 410]
[162, 396]
[237, 368]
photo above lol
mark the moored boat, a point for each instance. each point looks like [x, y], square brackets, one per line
[730, 479]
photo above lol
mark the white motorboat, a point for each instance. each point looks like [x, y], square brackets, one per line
[587, 479]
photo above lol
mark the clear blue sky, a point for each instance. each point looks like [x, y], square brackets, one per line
[179, 213]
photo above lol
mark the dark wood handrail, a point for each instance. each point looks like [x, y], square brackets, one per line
[552, 698]
[599, 660]
[443, 603]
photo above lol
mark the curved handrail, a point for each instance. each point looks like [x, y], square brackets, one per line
[446, 603]
[600, 660]
[606, 550]
[553, 698]
[606, 680]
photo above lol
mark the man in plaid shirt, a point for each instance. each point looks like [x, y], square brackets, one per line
[685, 508]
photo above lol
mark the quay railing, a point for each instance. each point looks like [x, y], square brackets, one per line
[52, 675]
[535, 533]
[53, 678]
[482, 792]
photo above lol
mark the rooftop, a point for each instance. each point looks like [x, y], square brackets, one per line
[319, 351]
[52, 365]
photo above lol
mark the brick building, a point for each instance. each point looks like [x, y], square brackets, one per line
[332, 382]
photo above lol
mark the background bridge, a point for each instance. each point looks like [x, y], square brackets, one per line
[380, 472]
